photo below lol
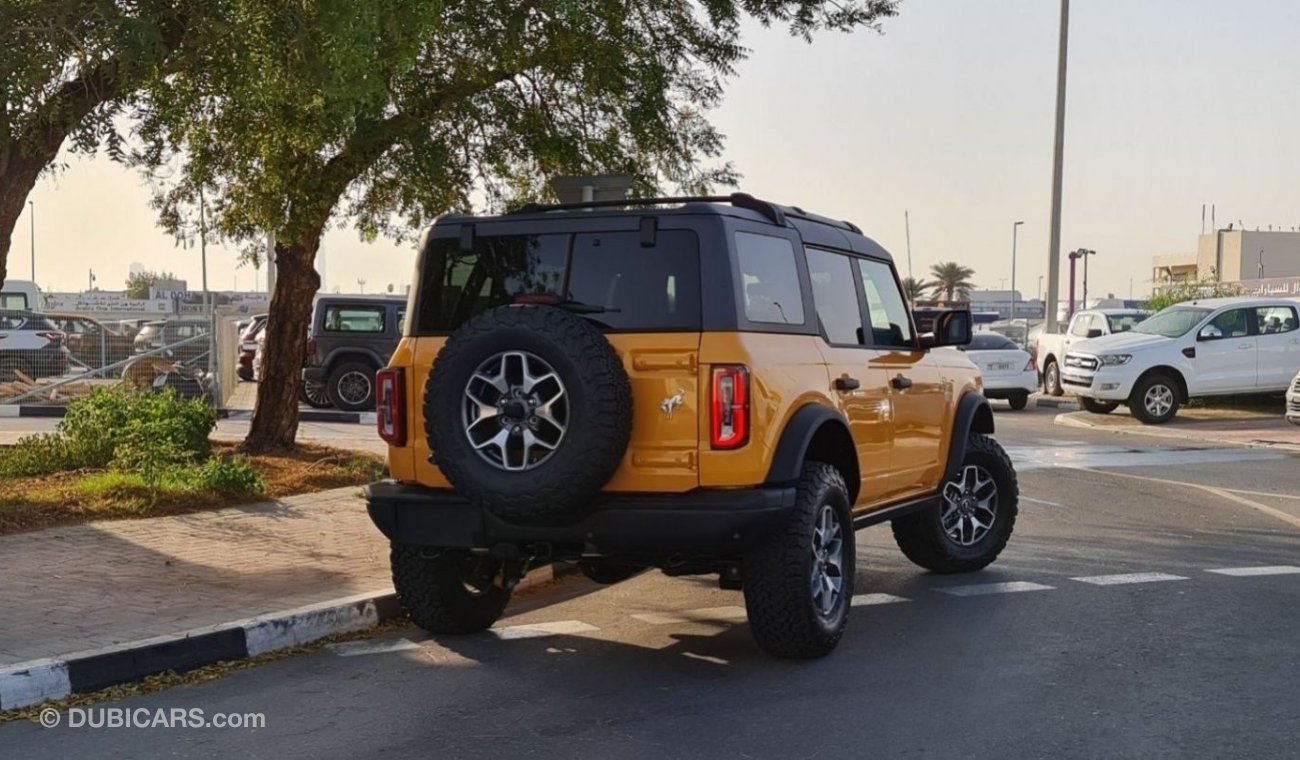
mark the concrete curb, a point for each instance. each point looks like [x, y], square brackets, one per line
[304, 415]
[1069, 420]
[29, 683]
[1056, 402]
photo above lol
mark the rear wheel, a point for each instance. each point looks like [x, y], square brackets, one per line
[1154, 400]
[313, 394]
[1019, 401]
[351, 387]
[1098, 407]
[448, 590]
[973, 521]
[797, 588]
[1052, 379]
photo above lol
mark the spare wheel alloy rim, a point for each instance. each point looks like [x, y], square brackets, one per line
[515, 411]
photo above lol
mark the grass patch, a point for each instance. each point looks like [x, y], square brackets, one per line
[224, 480]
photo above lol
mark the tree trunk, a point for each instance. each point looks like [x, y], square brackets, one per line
[275, 417]
[18, 174]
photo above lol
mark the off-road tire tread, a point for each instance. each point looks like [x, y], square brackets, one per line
[600, 445]
[432, 596]
[780, 616]
[921, 538]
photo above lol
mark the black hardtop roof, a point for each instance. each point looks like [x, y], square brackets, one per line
[813, 228]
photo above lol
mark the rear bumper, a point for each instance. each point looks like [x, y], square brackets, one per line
[314, 374]
[704, 523]
[1006, 386]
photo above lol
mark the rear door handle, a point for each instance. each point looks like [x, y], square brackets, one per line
[901, 383]
[846, 383]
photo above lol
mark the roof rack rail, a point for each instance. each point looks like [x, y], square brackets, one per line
[740, 200]
[799, 213]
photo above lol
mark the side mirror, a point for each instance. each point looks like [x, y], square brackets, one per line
[1094, 332]
[951, 328]
[1210, 332]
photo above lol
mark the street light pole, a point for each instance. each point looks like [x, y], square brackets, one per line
[1086, 254]
[31, 205]
[1014, 229]
[1261, 263]
[1058, 156]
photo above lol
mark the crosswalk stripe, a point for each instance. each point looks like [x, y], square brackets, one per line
[864, 600]
[1248, 571]
[1120, 580]
[536, 630]
[980, 589]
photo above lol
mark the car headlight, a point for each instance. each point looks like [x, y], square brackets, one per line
[1115, 360]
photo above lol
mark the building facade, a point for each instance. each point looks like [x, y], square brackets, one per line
[1231, 256]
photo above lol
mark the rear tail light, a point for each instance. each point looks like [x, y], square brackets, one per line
[55, 338]
[390, 406]
[1032, 364]
[729, 417]
[311, 347]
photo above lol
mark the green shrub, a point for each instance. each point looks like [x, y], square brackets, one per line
[36, 455]
[228, 477]
[115, 427]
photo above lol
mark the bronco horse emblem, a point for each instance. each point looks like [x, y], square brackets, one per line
[673, 403]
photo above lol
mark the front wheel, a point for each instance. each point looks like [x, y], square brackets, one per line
[1154, 400]
[448, 590]
[1052, 379]
[797, 587]
[972, 523]
[1098, 407]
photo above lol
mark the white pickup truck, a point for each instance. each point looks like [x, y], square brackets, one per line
[1086, 324]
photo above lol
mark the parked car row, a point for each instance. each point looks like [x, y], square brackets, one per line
[30, 345]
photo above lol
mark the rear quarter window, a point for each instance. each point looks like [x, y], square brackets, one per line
[769, 279]
[355, 319]
[623, 285]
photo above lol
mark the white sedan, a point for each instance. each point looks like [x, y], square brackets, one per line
[1009, 371]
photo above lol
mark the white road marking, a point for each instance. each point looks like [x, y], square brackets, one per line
[1119, 580]
[1028, 458]
[1221, 493]
[864, 600]
[358, 648]
[1248, 571]
[979, 589]
[1044, 502]
[701, 615]
[537, 630]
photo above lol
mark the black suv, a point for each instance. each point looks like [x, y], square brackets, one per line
[351, 338]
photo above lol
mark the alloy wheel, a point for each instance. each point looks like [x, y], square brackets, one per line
[828, 561]
[515, 410]
[970, 506]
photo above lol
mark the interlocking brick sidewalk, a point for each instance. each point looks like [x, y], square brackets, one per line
[65, 590]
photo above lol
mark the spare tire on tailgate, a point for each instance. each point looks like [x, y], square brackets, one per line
[529, 412]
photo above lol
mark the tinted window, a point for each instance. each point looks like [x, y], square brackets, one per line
[835, 296]
[1231, 324]
[890, 324]
[1275, 320]
[13, 301]
[770, 279]
[991, 342]
[627, 286]
[355, 319]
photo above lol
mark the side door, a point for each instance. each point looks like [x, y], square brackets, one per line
[1226, 349]
[856, 380]
[1278, 344]
[916, 389]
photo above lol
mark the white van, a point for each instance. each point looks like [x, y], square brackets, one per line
[21, 295]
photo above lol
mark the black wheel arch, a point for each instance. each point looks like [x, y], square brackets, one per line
[353, 355]
[973, 416]
[1172, 374]
[816, 433]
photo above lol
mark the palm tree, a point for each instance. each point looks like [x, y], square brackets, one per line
[915, 289]
[951, 280]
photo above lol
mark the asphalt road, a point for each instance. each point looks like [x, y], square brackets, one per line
[1103, 631]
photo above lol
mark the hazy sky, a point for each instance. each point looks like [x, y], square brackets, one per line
[1172, 104]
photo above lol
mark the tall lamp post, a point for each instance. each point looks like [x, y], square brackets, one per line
[1058, 161]
[1015, 227]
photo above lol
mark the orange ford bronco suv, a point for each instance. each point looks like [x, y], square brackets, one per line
[702, 385]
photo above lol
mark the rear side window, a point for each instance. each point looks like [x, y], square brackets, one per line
[770, 279]
[355, 319]
[622, 285]
[13, 301]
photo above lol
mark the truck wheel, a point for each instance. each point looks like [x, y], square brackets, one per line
[1052, 379]
[797, 587]
[351, 387]
[1019, 401]
[1154, 400]
[974, 517]
[447, 590]
[1098, 407]
[529, 412]
[608, 572]
[313, 394]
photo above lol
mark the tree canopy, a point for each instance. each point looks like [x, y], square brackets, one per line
[951, 281]
[138, 284]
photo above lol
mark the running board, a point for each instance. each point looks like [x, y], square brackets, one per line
[895, 511]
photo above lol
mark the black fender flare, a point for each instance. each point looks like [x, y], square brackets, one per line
[797, 438]
[973, 416]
